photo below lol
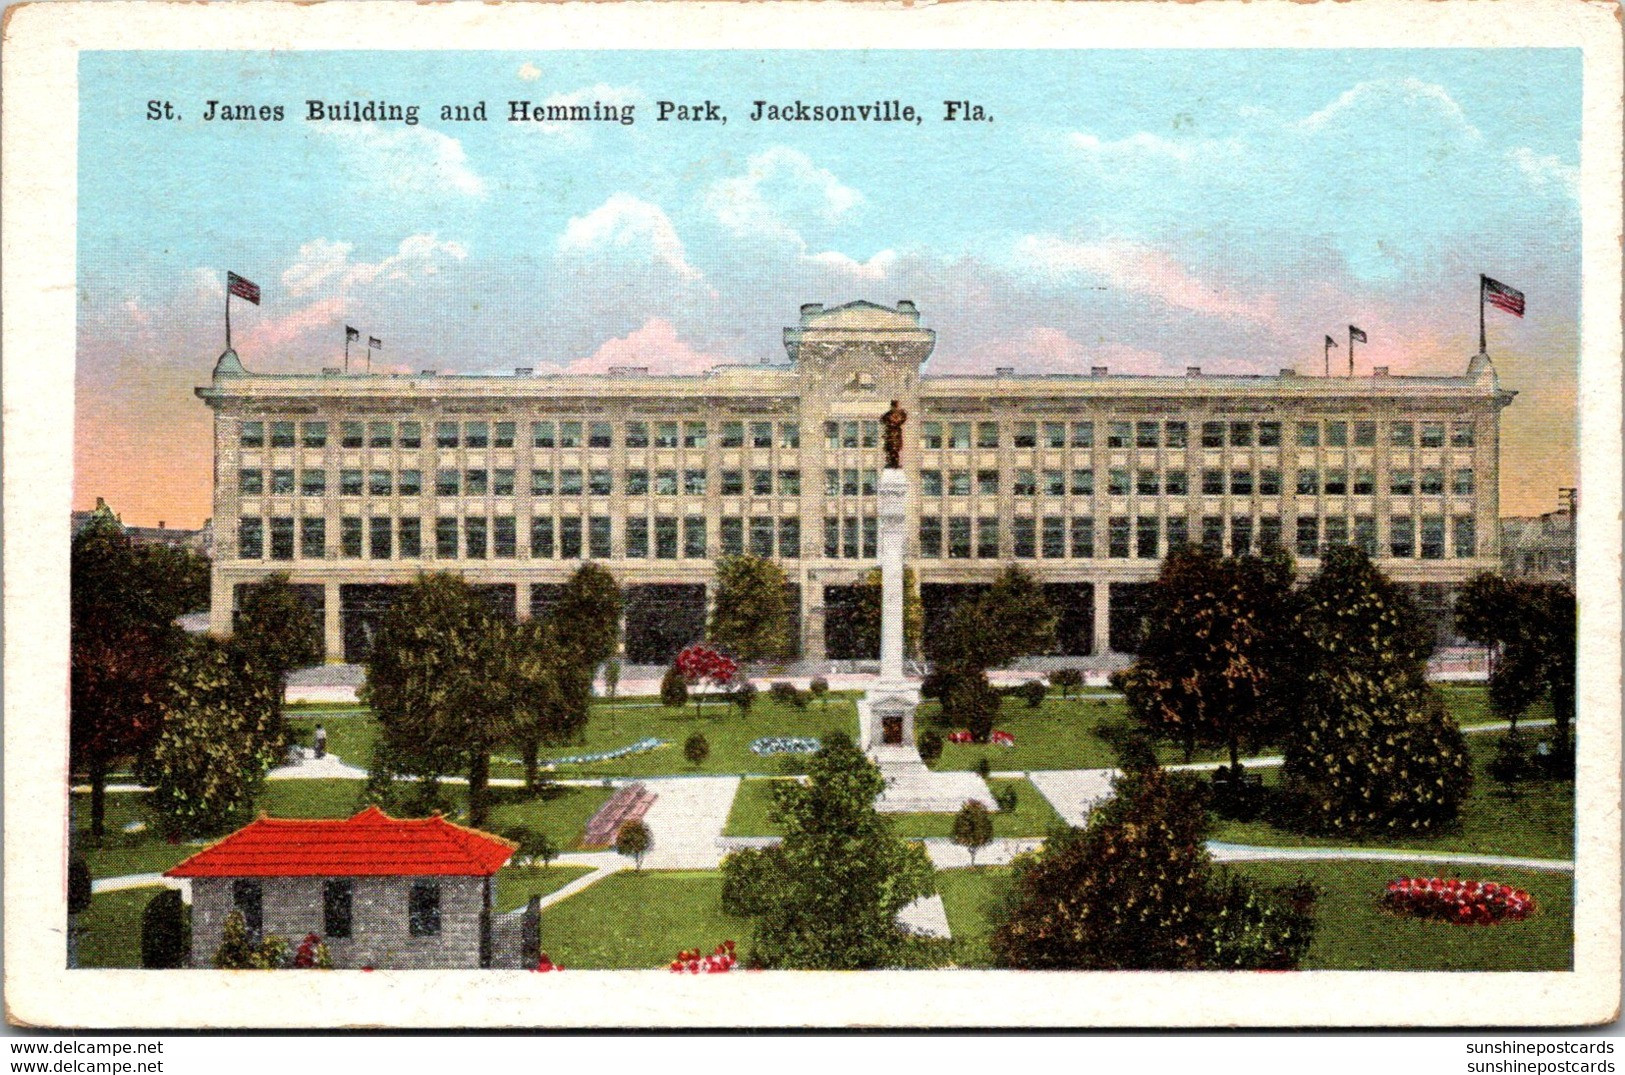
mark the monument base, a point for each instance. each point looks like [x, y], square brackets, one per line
[886, 733]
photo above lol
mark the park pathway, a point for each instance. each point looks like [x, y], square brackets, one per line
[688, 816]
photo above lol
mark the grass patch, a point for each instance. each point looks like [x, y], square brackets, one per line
[971, 898]
[517, 884]
[350, 736]
[112, 928]
[121, 853]
[1538, 824]
[561, 813]
[639, 920]
[1353, 932]
[1033, 816]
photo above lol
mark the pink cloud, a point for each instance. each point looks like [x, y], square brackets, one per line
[654, 344]
[1143, 269]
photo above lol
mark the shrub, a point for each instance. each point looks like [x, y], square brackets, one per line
[238, 952]
[166, 931]
[1237, 793]
[972, 703]
[1066, 680]
[973, 828]
[819, 688]
[1259, 928]
[1007, 798]
[311, 955]
[696, 749]
[930, 747]
[1131, 745]
[745, 873]
[1510, 765]
[532, 844]
[984, 768]
[744, 696]
[784, 693]
[673, 689]
[1033, 692]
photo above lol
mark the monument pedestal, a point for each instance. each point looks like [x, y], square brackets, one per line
[886, 711]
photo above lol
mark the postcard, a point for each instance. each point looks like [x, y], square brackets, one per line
[812, 515]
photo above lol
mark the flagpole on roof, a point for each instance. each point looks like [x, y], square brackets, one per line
[228, 315]
[1483, 346]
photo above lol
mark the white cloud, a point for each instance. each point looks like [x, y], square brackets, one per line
[529, 72]
[874, 270]
[324, 264]
[628, 226]
[780, 188]
[1410, 96]
[1543, 170]
[409, 158]
[1141, 269]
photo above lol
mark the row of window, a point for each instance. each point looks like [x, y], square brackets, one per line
[1056, 537]
[338, 907]
[1176, 434]
[1429, 481]
[480, 538]
[548, 434]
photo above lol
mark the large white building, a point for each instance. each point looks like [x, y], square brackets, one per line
[354, 483]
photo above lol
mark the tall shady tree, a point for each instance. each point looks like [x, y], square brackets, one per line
[278, 632]
[1217, 663]
[430, 681]
[752, 615]
[1530, 629]
[122, 643]
[989, 630]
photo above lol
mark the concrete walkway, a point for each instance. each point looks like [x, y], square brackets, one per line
[1223, 852]
[926, 917]
[142, 880]
[688, 815]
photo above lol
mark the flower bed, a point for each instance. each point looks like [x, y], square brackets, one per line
[544, 965]
[998, 739]
[784, 744]
[642, 746]
[718, 962]
[1462, 902]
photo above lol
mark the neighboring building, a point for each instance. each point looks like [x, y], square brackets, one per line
[354, 483]
[380, 892]
[1539, 548]
[200, 541]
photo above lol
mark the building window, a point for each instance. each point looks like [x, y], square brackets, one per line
[569, 434]
[1365, 434]
[1400, 435]
[282, 434]
[871, 537]
[1083, 434]
[1146, 534]
[1241, 434]
[1054, 483]
[598, 537]
[1461, 483]
[959, 434]
[541, 537]
[248, 900]
[731, 536]
[1083, 483]
[1024, 537]
[478, 435]
[350, 537]
[1365, 534]
[1337, 483]
[637, 482]
[1117, 482]
[849, 538]
[251, 435]
[761, 536]
[504, 435]
[250, 482]
[410, 482]
[871, 482]
[282, 482]
[665, 483]
[987, 538]
[930, 434]
[1212, 483]
[445, 435]
[761, 482]
[570, 482]
[409, 539]
[1308, 536]
[1337, 434]
[1401, 537]
[474, 534]
[380, 434]
[1117, 434]
[1433, 537]
[733, 435]
[637, 538]
[351, 482]
[475, 482]
[693, 483]
[541, 481]
[789, 435]
[1083, 536]
[637, 434]
[1213, 434]
[1431, 482]
[445, 538]
[665, 434]
[1269, 534]
[1117, 538]
[987, 434]
[1308, 482]
[959, 537]
[1461, 434]
[282, 538]
[761, 435]
[1175, 484]
[337, 900]
[379, 482]
[987, 482]
[600, 434]
[1269, 434]
[832, 537]
[505, 537]
[1399, 483]
[1269, 482]
[1337, 531]
[502, 481]
[1308, 434]
[1027, 485]
[1178, 533]
[599, 482]
[423, 914]
[694, 537]
[931, 537]
[789, 483]
[1365, 482]
[665, 538]
[1026, 435]
[1213, 535]
[541, 434]
[1241, 483]
[871, 435]
[447, 482]
[314, 435]
[930, 483]
[1148, 483]
[1176, 434]
[570, 537]
[733, 483]
[313, 538]
[1055, 434]
[1241, 535]
[694, 435]
[1432, 435]
[378, 544]
[1054, 537]
[1466, 539]
[410, 435]
[1146, 434]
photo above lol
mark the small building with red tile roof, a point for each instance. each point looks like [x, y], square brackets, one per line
[382, 892]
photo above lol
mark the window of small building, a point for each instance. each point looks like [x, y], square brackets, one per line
[987, 434]
[1461, 482]
[761, 536]
[832, 538]
[1269, 482]
[1466, 540]
[871, 537]
[1148, 483]
[1337, 483]
[1269, 534]
[1433, 537]
[599, 482]
[541, 435]
[1365, 482]
[733, 483]
[789, 435]
[665, 434]
[1401, 434]
[1337, 434]
[637, 434]
[1026, 434]
[541, 481]
[871, 435]
[1432, 435]
[1241, 483]
[733, 434]
[475, 482]
[569, 434]
[987, 538]
[447, 434]
[570, 481]
[1308, 482]
[959, 434]
[1117, 434]
[1365, 534]
[1055, 434]
[380, 482]
[693, 483]
[502, 481]
[959, 537]
[1400, 483]
[789, 483]
[1308, 536]
[1054, 537]
[312, 482]
[1212, 483]
[1337, 531]
[1147, 531]
[1431, 482]
[1308, 434]
[761, 482]
[1269, 434]
[282, 538]
[350, 537]
[1025, 484]
[1402, 537]
[1213, 535]
[1241, 434]
[930, 482]
[1175, 483]
[1178, 533]
[250, 482]
[1176, 434]
[1083, 482]
[1147, 434]
[445, 537]
[247, 898]
[1241, 535]
[1461, 434]
[849, 538]
[1213, 434]
[930, 434]
[1117, 540]
[423, 909]
[1054, 483]
[1365, 434]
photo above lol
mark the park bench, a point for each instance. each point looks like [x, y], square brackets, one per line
[630, 803]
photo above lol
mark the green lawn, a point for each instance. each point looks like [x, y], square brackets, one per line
[1033, 815]
[1353, 932]
[123, 852]
[517, 884]
[1538, 824]
[561, 815]
[112, 928]
[350, 736]
[639, 920]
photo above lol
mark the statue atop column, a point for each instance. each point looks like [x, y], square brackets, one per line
[894, 420]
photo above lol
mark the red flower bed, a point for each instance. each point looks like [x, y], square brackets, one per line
[720, 961]
[1000, 739]
[1466, 903]
[543, 964]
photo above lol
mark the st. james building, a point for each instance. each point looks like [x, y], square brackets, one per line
[353, 483]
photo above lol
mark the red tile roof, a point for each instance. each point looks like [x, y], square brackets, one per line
[370, 844]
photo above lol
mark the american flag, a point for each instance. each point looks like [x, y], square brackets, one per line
[1356, 334]
[351, 334]
[1502, 297]
[374, 342]
[247, 289]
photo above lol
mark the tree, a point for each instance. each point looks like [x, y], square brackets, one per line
[818, 687]
[987, 631]
[696, 749]
[829, 894]
[866, 613]
[700, 664]
[1216, 661]
[972, 702]
[634, 841]
[430, 683]
[1372, 748]
[122, 642]
[1067, 680]
[673, 689]
[973, 828]
[612, 678]
[1530, 629]
[219, 738]
[278, 632]
[752, 616]
[548, 686]
[1137, 890]
[587, 617]
[181, 575]
[531, 844]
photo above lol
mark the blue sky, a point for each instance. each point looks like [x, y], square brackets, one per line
[1144, 210]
